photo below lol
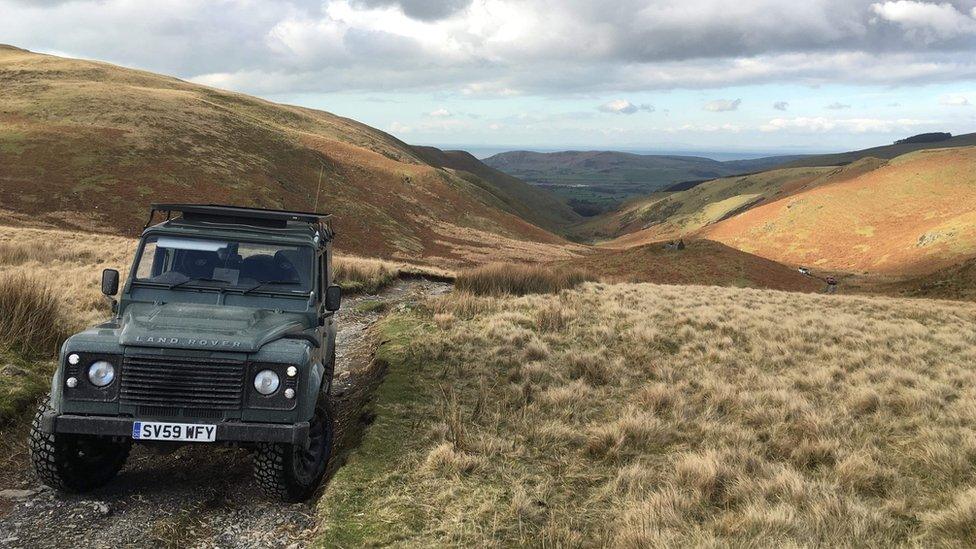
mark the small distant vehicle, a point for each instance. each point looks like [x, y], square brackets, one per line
[224, 334]
[804, 271]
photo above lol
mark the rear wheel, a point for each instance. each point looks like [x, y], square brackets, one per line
[74, 463]
[292, 472]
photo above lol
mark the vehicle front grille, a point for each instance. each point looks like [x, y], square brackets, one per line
[168, 412]
[182, 382]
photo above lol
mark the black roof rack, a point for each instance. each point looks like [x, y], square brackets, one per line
[236, 214]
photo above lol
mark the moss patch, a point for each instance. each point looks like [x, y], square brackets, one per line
[354, 510]
[23, 383]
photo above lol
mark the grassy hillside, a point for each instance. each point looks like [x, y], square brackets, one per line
[886, 152]
[653, 416]
[595, 181]
[89, 145]
[914, 214]
[687, 212]
[512, 194]
[953, 282]
[701, 262]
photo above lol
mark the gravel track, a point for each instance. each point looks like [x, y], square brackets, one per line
[198, 496]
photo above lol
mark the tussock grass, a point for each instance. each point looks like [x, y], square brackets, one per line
[665, 416]
[31, 320]
[32, 327]
[366, 275]
[507, 278]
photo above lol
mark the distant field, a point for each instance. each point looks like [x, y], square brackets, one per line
[651, 416]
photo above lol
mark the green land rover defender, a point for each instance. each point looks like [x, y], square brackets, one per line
[224, 334]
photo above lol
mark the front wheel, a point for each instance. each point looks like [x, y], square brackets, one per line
[74, 463]
[292, 472]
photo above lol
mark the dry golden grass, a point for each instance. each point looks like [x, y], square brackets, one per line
[69, 264]
[648, 416]
[359, 274]
[31, 317]
[519, 279]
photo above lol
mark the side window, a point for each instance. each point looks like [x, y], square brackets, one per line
[145, 268]
[323, 274]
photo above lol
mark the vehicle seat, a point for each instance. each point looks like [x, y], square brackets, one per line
[197, 263]
[260, 268]
[293, 266]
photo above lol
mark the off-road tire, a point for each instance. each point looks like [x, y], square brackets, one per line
[74, 463]
[279, 468]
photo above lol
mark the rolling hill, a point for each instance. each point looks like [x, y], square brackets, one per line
[512, 193]
[673, 215]
[594, 181]
[904, 146]
[913, 214]
[89, 145]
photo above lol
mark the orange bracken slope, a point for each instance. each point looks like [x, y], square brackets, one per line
[914, 215]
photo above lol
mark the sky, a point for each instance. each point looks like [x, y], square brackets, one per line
[691, 75]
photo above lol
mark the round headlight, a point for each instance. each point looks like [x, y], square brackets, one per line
[266, 382]
[101, 373]
[74, 359]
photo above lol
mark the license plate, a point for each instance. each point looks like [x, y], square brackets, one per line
[177, 432]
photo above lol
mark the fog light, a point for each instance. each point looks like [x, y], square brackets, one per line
[71, 382]
[101, 373]
[74, 359]
[266, 382]
[289, 393]
[292, 371]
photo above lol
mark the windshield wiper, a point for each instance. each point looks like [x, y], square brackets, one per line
[195, 279]
[260, 285]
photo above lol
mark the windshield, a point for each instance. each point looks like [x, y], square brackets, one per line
[192, 262]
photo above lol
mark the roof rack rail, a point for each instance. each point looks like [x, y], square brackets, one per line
[236, 214]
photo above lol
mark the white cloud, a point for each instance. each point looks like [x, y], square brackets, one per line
[849, 125]
[781, 105]
[954, 101]
[440, 113]
[722, 105]
[837, 106]
[398, 128]
[500, 48]
[622, 106]
[925, 21]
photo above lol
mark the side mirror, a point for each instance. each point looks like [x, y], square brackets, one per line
[110, 282]
[333, 298]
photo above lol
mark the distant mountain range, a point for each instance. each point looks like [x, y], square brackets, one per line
[596, 181]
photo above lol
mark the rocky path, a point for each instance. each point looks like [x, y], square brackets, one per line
[198, 496]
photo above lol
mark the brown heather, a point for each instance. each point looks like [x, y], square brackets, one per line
[649, 416]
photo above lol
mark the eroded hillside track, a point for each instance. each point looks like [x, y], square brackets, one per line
[200, 496]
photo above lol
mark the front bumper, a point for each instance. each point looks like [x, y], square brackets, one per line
[227, 431]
